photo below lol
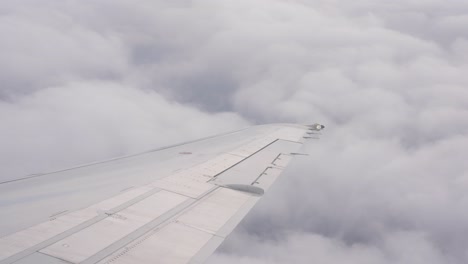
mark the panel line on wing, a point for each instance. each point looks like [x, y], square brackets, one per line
[179, 240]
[89, 241]
[134, 231]
[29, 240]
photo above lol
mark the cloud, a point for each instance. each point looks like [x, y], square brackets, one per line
[404, 247]
[366, 194]
[60, 127]
[385, 184]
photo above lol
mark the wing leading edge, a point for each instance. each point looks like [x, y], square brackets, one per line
[174, 205]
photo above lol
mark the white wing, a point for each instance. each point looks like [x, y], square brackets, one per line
[172, 205]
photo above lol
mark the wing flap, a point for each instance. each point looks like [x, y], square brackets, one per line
[89, 241]
[214, 211]
[35, 235]
[187, 234]
[174, 243]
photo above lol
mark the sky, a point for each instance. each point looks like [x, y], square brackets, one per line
[85, 80]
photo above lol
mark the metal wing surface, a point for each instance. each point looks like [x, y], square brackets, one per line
[171, 205]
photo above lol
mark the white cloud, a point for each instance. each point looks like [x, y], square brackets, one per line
[61, 126]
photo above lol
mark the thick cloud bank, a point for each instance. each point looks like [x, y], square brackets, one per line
[388, 181]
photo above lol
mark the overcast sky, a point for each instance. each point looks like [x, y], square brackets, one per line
[84, 80]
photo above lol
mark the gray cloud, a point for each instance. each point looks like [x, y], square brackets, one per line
[386, 184]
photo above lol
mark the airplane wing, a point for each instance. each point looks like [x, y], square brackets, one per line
[170, 205]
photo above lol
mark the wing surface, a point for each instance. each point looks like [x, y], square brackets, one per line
[171, 205]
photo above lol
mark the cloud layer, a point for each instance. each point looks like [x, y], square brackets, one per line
[86, 80]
